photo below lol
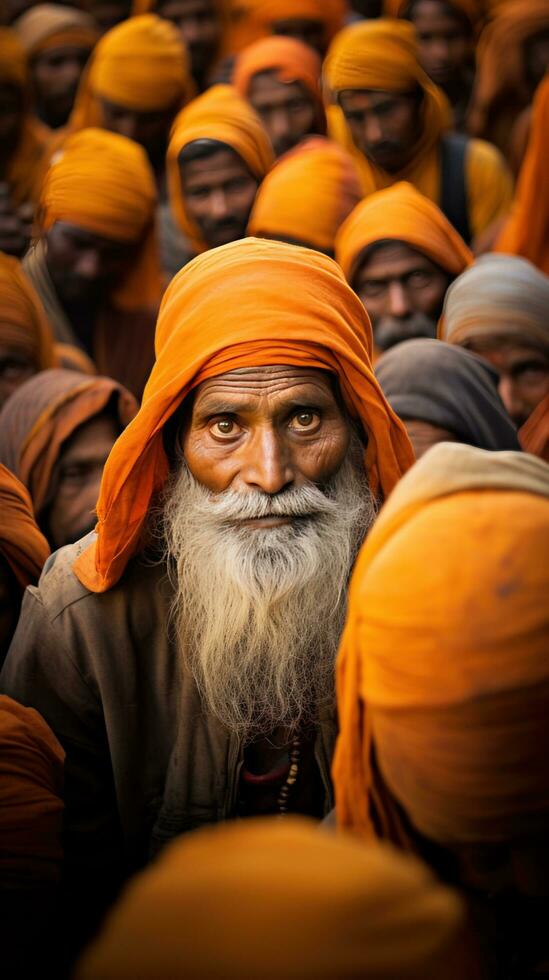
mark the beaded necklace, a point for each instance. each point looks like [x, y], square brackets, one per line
[291, 778]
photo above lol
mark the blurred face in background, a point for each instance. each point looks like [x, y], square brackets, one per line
[286, 109]
[55, 74]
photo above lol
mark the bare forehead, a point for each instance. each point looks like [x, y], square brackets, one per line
[266, 85]
[269, 379]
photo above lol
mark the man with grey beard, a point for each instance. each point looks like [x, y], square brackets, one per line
[184, 655]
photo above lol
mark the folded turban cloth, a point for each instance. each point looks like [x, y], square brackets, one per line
[23, 323]
[400, 213]
[291, 60]
[43, 413]
[24, 168]
[471, 10]
[500, 296]
[22, 545]
[246, 304]
[449, 387]
[269, 898]
[104, 183]
[534, 434]
[526, 232]
[140, 64]
[31, 798]
[307, 195]
[382, 55]
[443, 669]
[52, 25]
[254, 18]
[219, 114]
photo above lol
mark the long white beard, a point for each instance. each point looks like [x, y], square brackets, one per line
[259, 612]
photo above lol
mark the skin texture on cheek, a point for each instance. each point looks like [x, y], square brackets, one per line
[265, 429]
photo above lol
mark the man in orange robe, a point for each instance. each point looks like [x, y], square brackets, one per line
[179, 653]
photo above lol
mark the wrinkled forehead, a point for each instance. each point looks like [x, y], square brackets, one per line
[269, 379]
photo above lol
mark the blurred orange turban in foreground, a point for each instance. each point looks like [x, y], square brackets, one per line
[277, 898]
[23, 323]
[22, 545]
[443, 668]
[246, 304]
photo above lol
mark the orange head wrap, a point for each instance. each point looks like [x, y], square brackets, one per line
[140, 64]
[534, 434]
[472, 10]
[307, 195]
[23, 323]
[43, 413]
[443, 665]
[22, 545]
[31, 798]
[223, 115]
[25, 166]
[51, 25]
[209, 324]
[218, 901]
[262, 15]
[291, 60]
[401, 213]
[104, 183]
[527, 230]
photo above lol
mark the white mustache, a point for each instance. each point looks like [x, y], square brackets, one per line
[232, 506]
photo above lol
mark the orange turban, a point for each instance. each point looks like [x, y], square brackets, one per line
[382, 55]
[217, 902]
[245, 304]
[526, 232]
[252, 19]
[307, 195]
[443, 677]
[292, 61]
[472, 10]
[140, 64]
[25, 165]
[23, 323]
[223, 115]
[51, 25]
[31, 798]
[22, 545]
[43, 413]
[402, 214]
[534, 434]
[104, 183]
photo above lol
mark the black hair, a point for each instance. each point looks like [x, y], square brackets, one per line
[201, 150]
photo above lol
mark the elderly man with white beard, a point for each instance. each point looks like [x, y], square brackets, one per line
[184, 654]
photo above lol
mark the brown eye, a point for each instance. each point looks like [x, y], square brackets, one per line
[306, 421]
[224, 429]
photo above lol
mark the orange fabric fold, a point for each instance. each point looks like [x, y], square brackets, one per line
[223, 115]
[307, 195]
[31, 797]
[292, 61]
[382, 55]
[402, 214]
[104, 183]
[246, 304]
[43, 413]
[22, 545]
[526, 231]
[23, 323]
[534, 434]
[24, 169]
[444, 636]
[252, 19]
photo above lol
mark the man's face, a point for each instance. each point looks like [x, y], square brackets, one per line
[84, 266]
[444, 40]
[219, 192]
[77, 480]
[523, 375]
[56, 74]
[11, 115]
[200, 27]
[402, 291]
[286, 109]
[16, 367]
[384, 126]
[149, 129]
[303, 29]
[107, 13]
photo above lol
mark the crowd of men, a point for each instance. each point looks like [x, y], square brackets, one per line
[274, 489]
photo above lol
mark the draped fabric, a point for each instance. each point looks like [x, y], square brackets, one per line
[449, 387]
[401, 213]
[25, 165]
[208, 325]
[219, 114]
[43, 413]
[23, 323]
[22, 544]
[345, 909]
[447, 633]
[534, 434]
[307, 195]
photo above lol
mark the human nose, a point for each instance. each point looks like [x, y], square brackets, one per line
[218, 204]
[398, 301]
[373, 131]
[279, 125]
[268, 465]
[89, 264]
